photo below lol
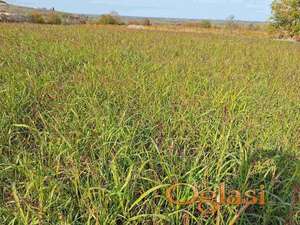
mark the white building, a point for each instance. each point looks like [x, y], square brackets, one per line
[3, 3]
[3, 6]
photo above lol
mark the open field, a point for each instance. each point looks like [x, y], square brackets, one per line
[242, 30]
[96, 122]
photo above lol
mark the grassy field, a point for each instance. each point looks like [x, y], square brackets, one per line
[96, 123]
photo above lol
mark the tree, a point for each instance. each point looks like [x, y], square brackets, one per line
[54, 18]
[146, 22]
[36, 18]
[109, 19]
[286, 16]
[205, 24]
[230, 22]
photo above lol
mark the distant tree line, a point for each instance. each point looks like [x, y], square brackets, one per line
[52, 18]
[56, 18]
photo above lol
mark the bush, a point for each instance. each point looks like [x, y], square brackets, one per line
[37, 18]
[286, 16]
[231, 24]
[146, 22]
[205, 24]
[253, 27]
[109, 19]
[53, 18]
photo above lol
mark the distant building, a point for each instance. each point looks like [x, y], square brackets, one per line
[3, 6]
[12, 17]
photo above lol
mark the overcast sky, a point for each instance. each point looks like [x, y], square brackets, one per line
[254, 10]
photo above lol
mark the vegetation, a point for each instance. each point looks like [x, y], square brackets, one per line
[36, 17]
[97, 123]
[252, 26]
[286, 16]
[143, 22]
[205, 24]
[54, 18]
[146, 22]
[109, 20]
[230, 23]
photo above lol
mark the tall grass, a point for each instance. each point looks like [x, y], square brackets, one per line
[97, 122]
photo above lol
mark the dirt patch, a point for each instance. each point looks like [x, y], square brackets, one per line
[137, 27]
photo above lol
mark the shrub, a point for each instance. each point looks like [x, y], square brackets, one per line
[231, 23]
[286, 16]
[83, 21]
[297, 38]
[109, 19]
[253, 27]
[205, 24]
[146, 22]
[53, 18]
[37, 18]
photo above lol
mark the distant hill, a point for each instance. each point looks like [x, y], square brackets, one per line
[9, 8]
[183, 20]
[25, 11]
[15, 13]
